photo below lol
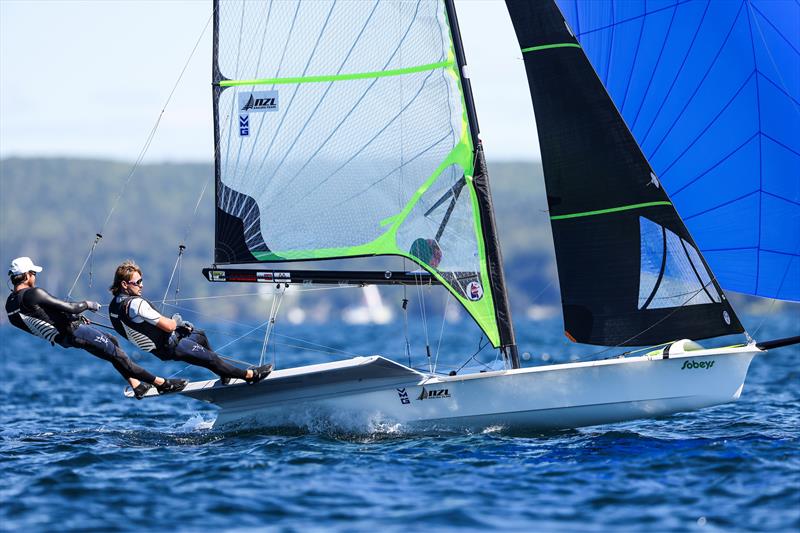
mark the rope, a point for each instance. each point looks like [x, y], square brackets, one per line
[139, 158]
[276, 305]
[407, 345]
[481, 346]
[181, 248]
[441, 330]
[237, 339]
[297, 289]
[424, 322]
[85, 261]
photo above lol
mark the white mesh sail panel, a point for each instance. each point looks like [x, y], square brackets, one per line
[342, 131]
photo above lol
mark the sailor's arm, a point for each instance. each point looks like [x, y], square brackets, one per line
[171, 324]
[42, 298]
[166, 324]
[143, 309]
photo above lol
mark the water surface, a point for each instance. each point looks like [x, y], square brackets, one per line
[76, 455]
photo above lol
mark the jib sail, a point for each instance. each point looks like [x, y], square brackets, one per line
[630, 273]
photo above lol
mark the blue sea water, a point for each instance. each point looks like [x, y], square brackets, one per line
[76, 455]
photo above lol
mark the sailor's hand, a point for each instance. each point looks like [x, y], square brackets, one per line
[178, 320]
[92, 306]
[84, 320]
[188, 325]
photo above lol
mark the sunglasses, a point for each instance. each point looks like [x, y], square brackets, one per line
[138, 282]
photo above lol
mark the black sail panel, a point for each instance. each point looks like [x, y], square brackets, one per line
[630, 273]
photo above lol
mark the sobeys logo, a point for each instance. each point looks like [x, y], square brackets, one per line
[692, 365]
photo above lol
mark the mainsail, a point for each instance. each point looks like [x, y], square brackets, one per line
[342, 129]
[630, 272]
[711, 91]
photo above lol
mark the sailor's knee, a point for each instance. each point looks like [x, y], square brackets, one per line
[119, 355]
[113, 340]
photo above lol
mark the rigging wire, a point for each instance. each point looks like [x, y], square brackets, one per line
[181, 249]
[407, 344]
[441, 330]
[238, 295]
[89, 257]
[273, 313]
[424, 315]
[481, 346]
[138, 161]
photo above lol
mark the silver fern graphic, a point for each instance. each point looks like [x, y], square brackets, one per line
[142, 341]
[40, 328]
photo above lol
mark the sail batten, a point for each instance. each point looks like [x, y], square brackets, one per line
[549, 47]
[609, 210]
[339, 77]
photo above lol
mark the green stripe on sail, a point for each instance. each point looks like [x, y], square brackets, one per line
[548, 46]
[340, 77]
[610, 210]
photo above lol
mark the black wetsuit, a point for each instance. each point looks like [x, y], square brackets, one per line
[182, 345]
[36, 312]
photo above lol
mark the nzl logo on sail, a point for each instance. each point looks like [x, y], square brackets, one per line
[255, 102]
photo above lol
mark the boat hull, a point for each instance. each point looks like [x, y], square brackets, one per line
[360, 395]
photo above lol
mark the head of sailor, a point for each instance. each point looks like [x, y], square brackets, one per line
[22, 273]
[128, 280]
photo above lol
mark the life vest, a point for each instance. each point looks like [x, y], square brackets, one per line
[34, 319]
[144, 335]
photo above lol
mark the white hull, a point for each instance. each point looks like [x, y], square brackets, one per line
[367, 393]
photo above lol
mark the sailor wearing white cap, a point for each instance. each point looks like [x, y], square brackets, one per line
[35, 311]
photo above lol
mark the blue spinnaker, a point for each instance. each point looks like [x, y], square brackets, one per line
[711, 91]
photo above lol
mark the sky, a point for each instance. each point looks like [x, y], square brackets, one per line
[90, 79]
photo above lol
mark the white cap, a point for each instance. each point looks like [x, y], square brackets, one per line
[21, 265]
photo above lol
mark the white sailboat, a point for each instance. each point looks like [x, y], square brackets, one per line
[349, 130]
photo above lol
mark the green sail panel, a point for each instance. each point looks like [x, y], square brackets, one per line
[341, 131]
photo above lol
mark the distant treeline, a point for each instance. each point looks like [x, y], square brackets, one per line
[51, 209]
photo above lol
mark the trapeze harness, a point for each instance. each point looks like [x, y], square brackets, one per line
[144, 335]
[182, 345]
[35, 311]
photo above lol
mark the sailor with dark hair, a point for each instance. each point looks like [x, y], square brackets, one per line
[137, 320]
[35, 311]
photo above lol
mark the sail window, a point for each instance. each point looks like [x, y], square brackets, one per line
[440, 233]
[672, 273]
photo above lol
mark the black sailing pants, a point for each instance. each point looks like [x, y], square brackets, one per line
[106, 347]
[196, 350]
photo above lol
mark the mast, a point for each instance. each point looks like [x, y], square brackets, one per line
[494, 258]
[216, 90]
